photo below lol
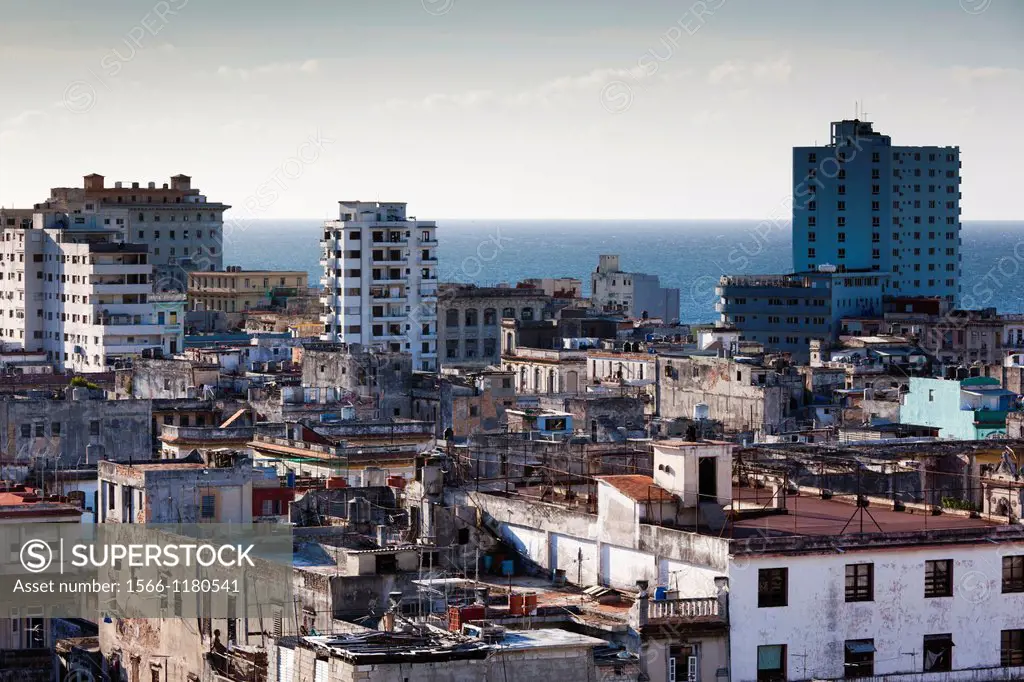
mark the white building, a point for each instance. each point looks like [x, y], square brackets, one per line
[380, 280]
[73, 290]
[633, 294]
[816, 587]
[184, 229]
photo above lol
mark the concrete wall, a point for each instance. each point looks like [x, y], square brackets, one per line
[173, 493]
[165, 379]
[712, 653]
[575, 663]
[728, 390]
[386, 377]
[124, 430]
[605, 415]
[818, 620]
[551, 537]
[677, 470]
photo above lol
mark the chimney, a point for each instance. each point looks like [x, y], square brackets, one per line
[722, 585]
[642, 604]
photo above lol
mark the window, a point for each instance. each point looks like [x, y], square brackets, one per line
[94, 427]
[1012, 648]
[1013, 573]
[938, 579]
[55, 428]
[860, 656]
[771, 587]
[938, 653]
[860, 582]
[26, 430]
[208, 507]
[771, 663]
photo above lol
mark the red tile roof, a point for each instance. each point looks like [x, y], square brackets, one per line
[639, 488]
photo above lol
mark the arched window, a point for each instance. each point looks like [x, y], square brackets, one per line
[490, 317]
[451, 318]
[508, 312]
[471, 317]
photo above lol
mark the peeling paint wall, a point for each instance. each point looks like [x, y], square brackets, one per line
[730, 390]
[62, 431]
[615, 552]
[818, 620]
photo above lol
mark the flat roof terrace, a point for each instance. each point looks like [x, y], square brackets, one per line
[811, 524]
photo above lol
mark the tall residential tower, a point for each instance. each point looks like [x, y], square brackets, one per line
[184, 229]
[860, 203]
[380, 280]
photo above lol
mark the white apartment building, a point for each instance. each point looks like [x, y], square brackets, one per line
[74, 291]
[184, 230]
[380, 280]
[632, 294]
[818, 587]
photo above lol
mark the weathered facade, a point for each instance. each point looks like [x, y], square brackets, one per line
[383, 376]
[743, 396]
[469, 320]
[166, 379]
[74, 432]
[188, 491]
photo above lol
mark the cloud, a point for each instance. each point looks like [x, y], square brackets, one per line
[542, 93]
[13, 128]
[739, 72]
[965, 75]
[24, 118]
[273, 69]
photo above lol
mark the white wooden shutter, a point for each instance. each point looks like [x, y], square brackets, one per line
[320, 674]
[691, 669]
[285, 662]
[672, 669]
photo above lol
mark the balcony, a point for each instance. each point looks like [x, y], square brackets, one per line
[128, 349]
[678, 614]
[387, 295]
[390, 239]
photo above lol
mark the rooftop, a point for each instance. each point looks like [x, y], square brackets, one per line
[638, 488]
[810, 515]
[24, 502]
[427, 643]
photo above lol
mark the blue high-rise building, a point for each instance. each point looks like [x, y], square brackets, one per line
[861, 203]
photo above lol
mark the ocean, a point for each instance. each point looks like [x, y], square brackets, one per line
[690, 255]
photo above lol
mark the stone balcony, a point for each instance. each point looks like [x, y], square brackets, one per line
[676, 615]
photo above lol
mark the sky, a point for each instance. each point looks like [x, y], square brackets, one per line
[617, 109]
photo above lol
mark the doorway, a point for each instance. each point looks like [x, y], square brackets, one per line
[707, 479]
